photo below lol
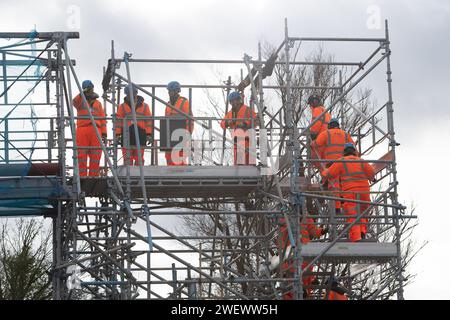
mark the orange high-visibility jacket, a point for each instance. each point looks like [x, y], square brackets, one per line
[183, 105]
[96, 110]
[142, 110]
[330, 143]
[244, 112]
[322, 124]
[353, 175]
[308, 231]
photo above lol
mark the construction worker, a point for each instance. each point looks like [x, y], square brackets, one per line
[87, 142]
[178, 157]
[336, 291]
[124, 117]
[240, 119]
[330, 143]
[330, 146]
[308, 231]
[318, 111]
[354, 177]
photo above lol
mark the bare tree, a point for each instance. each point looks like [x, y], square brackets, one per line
[25, 260]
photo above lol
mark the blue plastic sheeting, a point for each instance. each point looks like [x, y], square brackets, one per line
[18, 212]
[24, 196]
[14, 170]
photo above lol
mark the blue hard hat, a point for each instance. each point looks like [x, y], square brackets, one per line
[87, 84]
[334, 120]
[128, 88]
[173, 86]
[349, 145]
[234, 95]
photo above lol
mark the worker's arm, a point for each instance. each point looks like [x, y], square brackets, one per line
[224, 123]
[319, 143]
[148, 122]
[255, 119]
[334, 171]
[369, 170]
[316, 113]
[188, 110]
[119, 121]
[102, 121]
[349, 139]
[77, 101]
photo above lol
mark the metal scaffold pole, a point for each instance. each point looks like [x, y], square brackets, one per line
[393, 144]
[293, 148]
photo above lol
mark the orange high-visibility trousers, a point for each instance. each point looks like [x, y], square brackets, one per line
[307, 280]
[241, 152]
[181, 161]
[130, 156]
[86, 138]
[353, 209]
[334, 185]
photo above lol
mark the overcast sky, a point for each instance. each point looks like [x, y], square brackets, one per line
[420, 33]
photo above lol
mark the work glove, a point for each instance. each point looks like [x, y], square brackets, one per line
[242, 126]
[119, 139]
[149, 139]
[104, 139]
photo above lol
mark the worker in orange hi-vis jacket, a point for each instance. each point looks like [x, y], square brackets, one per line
[308, 231]
[355, 177]
[240, 119]
[336, 292]
[330, 146]
[178, 157]
[317, 112]
[124, 117]
[86, 138]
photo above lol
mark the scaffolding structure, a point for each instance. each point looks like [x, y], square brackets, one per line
[113, 234]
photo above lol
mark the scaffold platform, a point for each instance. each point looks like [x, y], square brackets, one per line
[351, 252]
[182, 181]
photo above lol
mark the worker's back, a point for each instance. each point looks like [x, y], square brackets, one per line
[321, 124]
[330, 143]
[355, 175]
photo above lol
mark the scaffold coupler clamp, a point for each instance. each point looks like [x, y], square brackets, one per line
[146, 213]
[125, 206]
